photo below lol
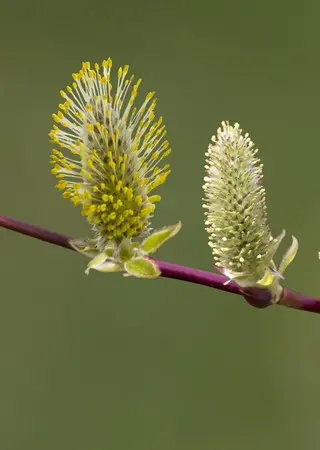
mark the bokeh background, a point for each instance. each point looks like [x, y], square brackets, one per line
[103, 362]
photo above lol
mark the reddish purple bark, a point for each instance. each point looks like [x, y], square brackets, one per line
[259, 298]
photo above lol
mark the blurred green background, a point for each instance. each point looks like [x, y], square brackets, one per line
[103, 362]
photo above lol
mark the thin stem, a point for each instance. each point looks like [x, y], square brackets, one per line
[293, 299]
[256, 297]
[168, 270]
[35, 232]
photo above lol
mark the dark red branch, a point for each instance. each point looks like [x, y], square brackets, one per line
[293, 299]
[257, 297]
[35, 232]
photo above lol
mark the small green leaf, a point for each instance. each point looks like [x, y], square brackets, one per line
[102, 264]
[84, 246]
[96, 262]
[142, 268]
[275, 244]
[268, 278]
[109, 266]
[289, 256]
[153, 242]
[125, 250]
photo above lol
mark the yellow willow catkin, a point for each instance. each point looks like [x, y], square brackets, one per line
[110, 156]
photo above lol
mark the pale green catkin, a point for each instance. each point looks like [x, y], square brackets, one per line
[235, 200]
